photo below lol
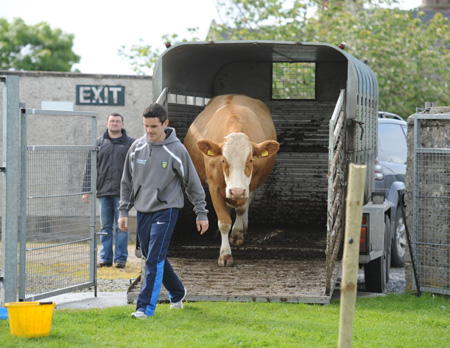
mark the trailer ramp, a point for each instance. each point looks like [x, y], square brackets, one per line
[251, 279]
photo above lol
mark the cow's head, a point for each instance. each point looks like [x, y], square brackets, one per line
[237, 154]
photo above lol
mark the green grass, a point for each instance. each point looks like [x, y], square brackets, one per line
[391, 321]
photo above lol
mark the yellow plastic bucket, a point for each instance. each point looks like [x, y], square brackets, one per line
[30, 319]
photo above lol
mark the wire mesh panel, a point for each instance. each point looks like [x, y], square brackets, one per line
[58, 234]
[294, 80]
[58, 222]
[431, 209]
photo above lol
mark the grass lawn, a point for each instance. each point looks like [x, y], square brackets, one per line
[391, 321]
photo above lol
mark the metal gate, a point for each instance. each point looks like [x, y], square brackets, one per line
[57, 230]
[46, 228]
[431, 202]
[336, 188]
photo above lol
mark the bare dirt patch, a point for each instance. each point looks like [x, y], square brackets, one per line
[131, 270]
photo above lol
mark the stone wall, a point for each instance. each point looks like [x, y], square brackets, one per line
[434, 134]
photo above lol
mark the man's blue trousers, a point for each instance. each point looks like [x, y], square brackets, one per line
[155, 232]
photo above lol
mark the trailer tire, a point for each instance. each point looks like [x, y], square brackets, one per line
[376, 272]
[399, 240]
[387, 245]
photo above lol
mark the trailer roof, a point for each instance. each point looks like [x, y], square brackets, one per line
[192, 66]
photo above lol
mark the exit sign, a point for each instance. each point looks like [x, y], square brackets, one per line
[100, 95]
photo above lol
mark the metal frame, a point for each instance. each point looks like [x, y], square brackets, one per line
[14, 195]
[336, 187]
[430, 209]
[25, 199]
[10, 191]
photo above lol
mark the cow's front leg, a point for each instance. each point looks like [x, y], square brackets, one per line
[224, 222]
[241, 224]
[225, 258]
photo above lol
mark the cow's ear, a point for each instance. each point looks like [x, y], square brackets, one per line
[209, 148]
[265, 149]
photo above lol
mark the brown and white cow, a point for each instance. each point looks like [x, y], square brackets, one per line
[232, 143]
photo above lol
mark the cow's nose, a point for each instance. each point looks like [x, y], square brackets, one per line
[237, 193]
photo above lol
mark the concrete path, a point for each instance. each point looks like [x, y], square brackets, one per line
[87, 300]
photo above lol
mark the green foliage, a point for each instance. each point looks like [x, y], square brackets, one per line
[293, 80]
[35, 47]
[391, 321]
[409, 56]
[143, 57]
[263, 20]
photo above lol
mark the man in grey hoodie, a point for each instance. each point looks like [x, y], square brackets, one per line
[156, 169]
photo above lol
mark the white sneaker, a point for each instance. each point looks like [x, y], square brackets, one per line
[179, 304]
[139, 315]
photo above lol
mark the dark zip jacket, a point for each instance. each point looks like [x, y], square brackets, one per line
[110, 162]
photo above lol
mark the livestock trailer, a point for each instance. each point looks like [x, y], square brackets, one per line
[324, 104]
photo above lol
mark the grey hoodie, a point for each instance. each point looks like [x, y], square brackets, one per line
[156, 173]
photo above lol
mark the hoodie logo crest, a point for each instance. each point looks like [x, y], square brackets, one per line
[164, 165]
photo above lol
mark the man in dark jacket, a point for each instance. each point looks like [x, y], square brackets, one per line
[113, 146]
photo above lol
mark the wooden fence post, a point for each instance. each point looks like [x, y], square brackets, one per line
[349, 282]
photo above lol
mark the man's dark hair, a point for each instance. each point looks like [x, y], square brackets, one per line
[116, 114]
[156, 110]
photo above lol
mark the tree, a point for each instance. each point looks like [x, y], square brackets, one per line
[35, 47]
[261, 19]
[408, 55]
[143, 57]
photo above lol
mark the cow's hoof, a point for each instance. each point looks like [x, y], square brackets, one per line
[226, 261]
[237, 239]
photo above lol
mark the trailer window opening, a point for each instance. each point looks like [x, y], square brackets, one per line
[296, 80]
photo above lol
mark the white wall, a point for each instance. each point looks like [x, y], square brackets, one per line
[36, 88]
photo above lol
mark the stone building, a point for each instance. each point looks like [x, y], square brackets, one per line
[104, 94]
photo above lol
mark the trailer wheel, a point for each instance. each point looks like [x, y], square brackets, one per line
[376, 272]
[387, 245]
[399, 241]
